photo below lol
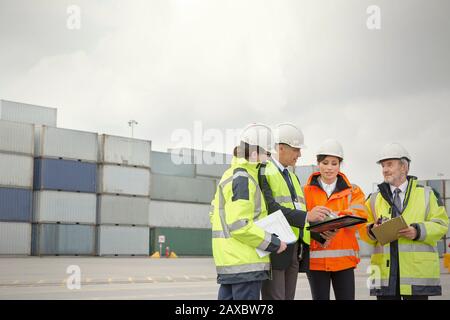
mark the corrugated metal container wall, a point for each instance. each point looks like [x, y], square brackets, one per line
[304, 172]
[65, 175]
[127, 151]
[178, 214]
[17, 137]
[66, 143]
[15, 238]
[123, 210]
[182, 189]
[208, 163]
[15, 204]
[441, 248]
[63, 239]
[124, 180]
[114, 240]
[447, 189]
[162, 163]
[68, 207]
[16, 170]
[29, 113]
[437, 185]
[187, 242]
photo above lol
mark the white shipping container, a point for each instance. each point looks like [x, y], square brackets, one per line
[126, 151]
[15, 238]
[29, 113]
[126, 210]
[178, 214]
[16, 170]
[116, 240]
[115, 179]
[16, 137]
[66, 143]
[64, 207]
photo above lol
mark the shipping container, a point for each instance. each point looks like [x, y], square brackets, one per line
[441, 248]
[195, 156]
[114, 179]
[178, 214]
[162, 163]
[15, 238]
[65, 175]
[63, 239]
[16, 204]
[182, 189]
[29, 113]
[53, 142]
[124, 210]
[16, 170]
[125, 151]
[437, 185]
[17, 137]
[182, 241]
[122, 240]
[447, 189]
[65, 207]
[304, 172]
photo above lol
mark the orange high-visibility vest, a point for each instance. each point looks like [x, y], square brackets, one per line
[347, 199]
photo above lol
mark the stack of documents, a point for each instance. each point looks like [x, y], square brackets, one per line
[276, 223]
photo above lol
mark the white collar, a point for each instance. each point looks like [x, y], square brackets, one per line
[278, 164]
[402, 187]
[331, 186]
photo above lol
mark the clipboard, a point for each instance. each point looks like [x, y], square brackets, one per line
[388, 231]
[335, 223]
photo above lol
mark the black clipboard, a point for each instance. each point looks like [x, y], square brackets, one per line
[335, 223]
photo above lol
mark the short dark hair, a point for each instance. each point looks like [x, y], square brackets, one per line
[322, 157]
[244, 150]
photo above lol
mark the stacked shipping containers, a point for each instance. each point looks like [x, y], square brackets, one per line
[64, 206]
[123, 196]
[16, 185]
[183, 184]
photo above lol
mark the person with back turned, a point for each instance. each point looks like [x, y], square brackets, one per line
[237, 204]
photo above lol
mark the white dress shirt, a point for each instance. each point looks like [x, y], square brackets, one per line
[328, 188]
[402, 193]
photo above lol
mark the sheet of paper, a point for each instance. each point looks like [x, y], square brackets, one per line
[276, 223]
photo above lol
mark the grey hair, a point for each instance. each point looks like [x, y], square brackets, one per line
[405, 162]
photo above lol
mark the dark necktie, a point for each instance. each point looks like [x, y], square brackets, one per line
[289, 183]
[397, 200]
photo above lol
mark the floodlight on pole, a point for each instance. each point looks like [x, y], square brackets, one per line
[132, 123]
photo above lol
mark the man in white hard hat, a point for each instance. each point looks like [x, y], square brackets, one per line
[282, 191]
[407, 268]
[239, 202]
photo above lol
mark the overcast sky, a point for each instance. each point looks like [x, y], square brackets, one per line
[168, 64]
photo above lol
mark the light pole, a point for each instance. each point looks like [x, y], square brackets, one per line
[132, 123]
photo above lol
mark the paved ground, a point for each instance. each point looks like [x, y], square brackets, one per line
[133, 278]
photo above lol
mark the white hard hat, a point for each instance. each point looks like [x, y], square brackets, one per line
[331, 147]
[289, 134]
[393, 151]
[258, 134]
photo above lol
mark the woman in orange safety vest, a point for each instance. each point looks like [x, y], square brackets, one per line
[334, 258]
